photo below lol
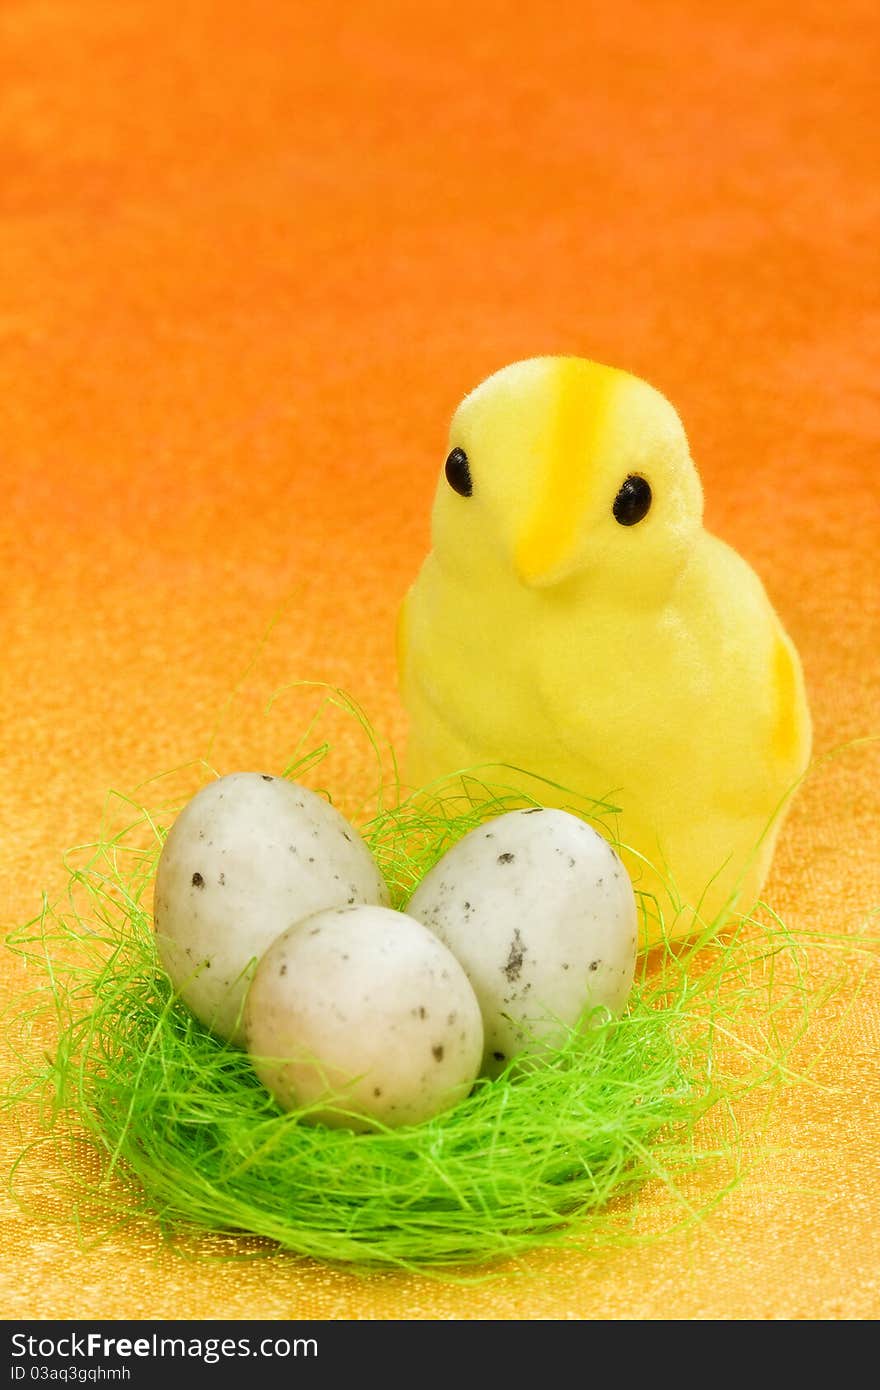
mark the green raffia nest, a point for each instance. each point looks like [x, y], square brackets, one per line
[183, 1129]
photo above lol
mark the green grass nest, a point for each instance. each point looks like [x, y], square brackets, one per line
[154, 1115]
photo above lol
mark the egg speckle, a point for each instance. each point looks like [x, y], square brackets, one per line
[362, 1013]
[249, 855]
[541, 913]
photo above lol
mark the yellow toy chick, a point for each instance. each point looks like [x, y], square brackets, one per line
[574, 619]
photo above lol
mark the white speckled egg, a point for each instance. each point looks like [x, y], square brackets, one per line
[248, 856]
[366, 1007]
[541, 913]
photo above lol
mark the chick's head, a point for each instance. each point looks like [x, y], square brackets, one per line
[562, 471]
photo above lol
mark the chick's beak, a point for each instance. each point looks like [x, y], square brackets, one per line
[540, 569]
[548, 543]
[546, 550]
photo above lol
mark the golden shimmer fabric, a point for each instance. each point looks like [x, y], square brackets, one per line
[251, 257]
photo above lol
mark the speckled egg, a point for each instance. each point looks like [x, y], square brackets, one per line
[365, 1009]
[247, 857]
[541, 913]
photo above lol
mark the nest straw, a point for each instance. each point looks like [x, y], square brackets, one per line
[183, 1130]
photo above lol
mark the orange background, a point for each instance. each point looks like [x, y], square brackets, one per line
[252, 256]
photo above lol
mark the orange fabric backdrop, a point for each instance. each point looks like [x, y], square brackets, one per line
[251, 258]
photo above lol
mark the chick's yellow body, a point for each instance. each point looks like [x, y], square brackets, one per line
[575, 620]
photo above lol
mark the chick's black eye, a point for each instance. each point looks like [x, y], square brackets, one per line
[458, 473]
[633, 501]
